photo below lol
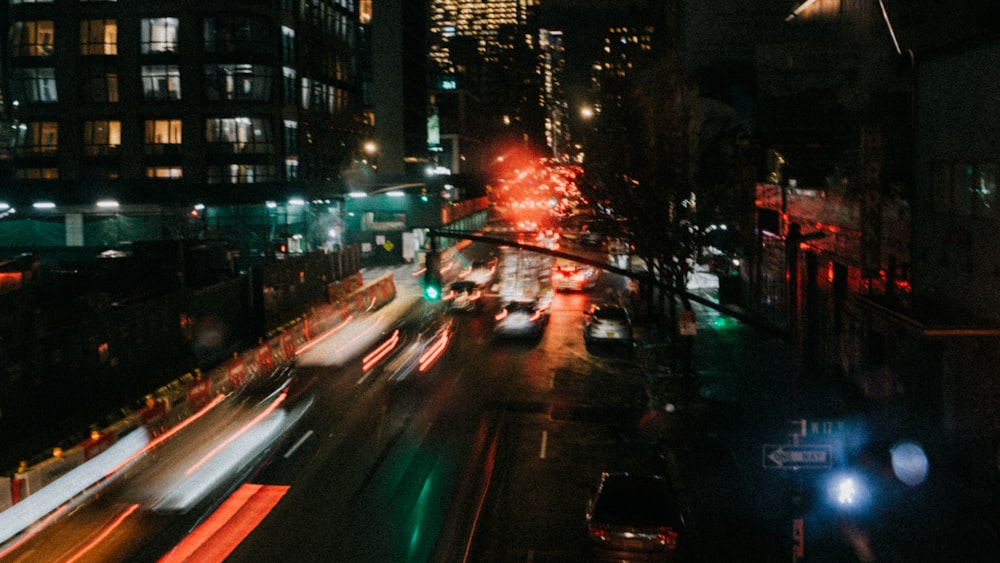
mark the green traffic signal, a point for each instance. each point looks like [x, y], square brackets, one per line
[432, 292]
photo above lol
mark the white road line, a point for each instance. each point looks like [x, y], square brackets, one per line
[304, 437]
[545, 441]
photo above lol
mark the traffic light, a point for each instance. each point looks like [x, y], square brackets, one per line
[432, 277]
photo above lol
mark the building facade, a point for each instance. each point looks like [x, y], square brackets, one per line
[175, 110]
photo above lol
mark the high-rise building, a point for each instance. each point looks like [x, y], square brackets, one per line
[170, 104]
[553, 65]
[491, 50]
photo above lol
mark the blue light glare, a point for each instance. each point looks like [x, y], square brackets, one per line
[909, 463]
[848, 492]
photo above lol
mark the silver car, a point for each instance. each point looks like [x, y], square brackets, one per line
[607, 323]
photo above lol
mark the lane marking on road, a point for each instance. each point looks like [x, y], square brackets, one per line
[545, 442]
[295, 446]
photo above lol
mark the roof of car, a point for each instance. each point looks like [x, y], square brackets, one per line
[636, 499]
[610, 312]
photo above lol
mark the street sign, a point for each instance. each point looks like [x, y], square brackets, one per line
[790, 456]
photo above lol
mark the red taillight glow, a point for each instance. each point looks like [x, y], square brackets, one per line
[376, 355]
[536, 315]
[476, 295]
[434, 351]
[667, 537]
[597, 533]
[501, 315]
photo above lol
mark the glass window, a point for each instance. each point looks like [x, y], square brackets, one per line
[291, 137]
[291, 169]
[99, 85]
[963, 184]
[32, 38]
[161, 82]
[241, 174]
[940, 187]
[37, 173]
[288, 85]
[985, 191]
[287, 45]
[167, 172]
[99, 37]
[236, 34]
[162, 135]
[38, 137]
[238, 82]
[239, 135]
[159, 35]
[33, 84]
[101, 137]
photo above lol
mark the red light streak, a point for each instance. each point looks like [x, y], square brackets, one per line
[326, 334]
[501, 315]
[356, 338]
[270, 408]
[376, 355]
[215, 538]
[434, 351]
[159, 439]
[104, 534]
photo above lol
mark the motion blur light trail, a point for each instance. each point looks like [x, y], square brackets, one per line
[215, 538]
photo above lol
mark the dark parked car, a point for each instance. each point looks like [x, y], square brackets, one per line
[634, 517]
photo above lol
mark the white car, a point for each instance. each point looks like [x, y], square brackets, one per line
[525, 318]
[607, 323]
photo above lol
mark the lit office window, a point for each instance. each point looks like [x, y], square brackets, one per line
[32, 38]
[241, 174]
[161, 134]
[37, 173]
[238, 82]
[38, 137]
[99, 37]
[101, 137]
[161, 82]
[239, 135]
[291, 169]
[33, 84]
[99, 85]
[159, 35]
[164, 172]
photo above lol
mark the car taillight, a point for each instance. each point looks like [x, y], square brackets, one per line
[597, 533]
[667, 537]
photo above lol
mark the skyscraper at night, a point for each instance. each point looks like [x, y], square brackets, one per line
[153, 109]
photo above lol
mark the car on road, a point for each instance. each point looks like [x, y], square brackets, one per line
[634, 516]
[574, 277]
[481, 272]
[607, 323]
[463, 296]
[521, 318]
